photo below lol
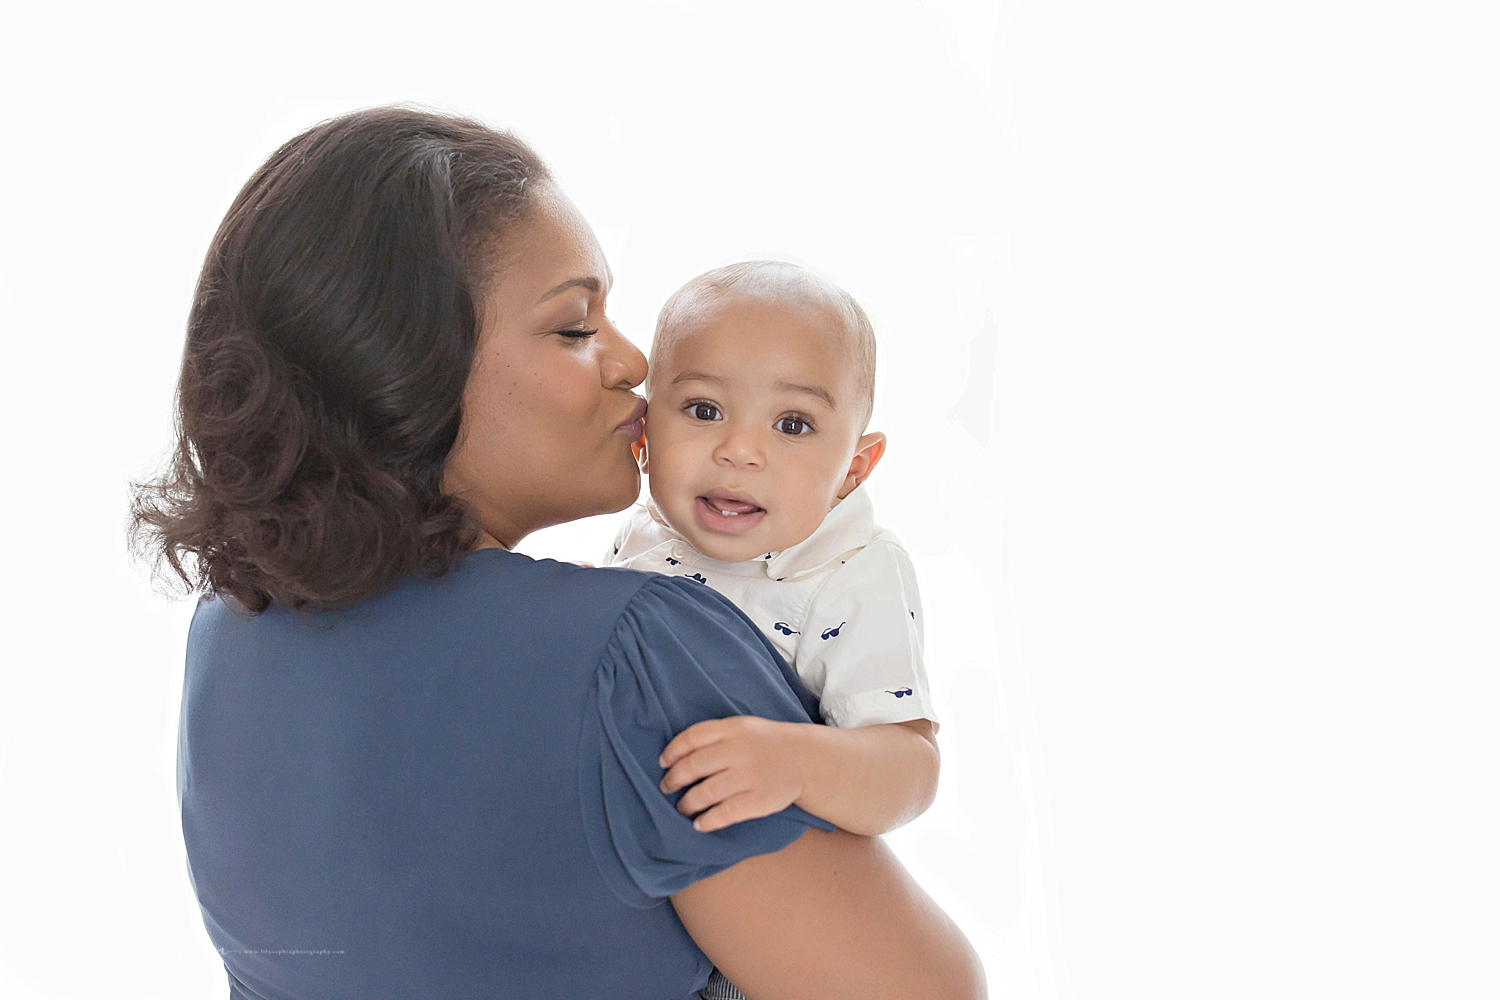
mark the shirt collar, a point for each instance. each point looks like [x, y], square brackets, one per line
[848, 526]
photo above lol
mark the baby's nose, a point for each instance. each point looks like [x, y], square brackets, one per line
[741, 448]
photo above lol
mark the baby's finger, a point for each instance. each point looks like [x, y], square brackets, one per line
[694, 737]
[694, 768]
[735, 809]
[710, 792]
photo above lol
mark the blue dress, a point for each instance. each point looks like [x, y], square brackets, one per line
[450, 789]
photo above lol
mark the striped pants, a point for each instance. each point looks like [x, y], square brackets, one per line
[719, 988]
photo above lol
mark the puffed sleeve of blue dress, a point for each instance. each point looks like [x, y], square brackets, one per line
[451, 789]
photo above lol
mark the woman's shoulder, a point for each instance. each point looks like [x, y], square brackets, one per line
[678, 629]
[673, 637]
[494, 600]
[681, 653]
[650, 613]
[499, 616]
[484, 588]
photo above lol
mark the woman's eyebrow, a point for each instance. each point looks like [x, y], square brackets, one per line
[591, 283]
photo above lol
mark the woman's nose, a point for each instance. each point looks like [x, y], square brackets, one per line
[740, 448]
[622, 365]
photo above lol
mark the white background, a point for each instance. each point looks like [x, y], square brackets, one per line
[1187, 318]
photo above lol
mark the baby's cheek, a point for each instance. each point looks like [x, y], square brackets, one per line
[666, 472]
[816, 490]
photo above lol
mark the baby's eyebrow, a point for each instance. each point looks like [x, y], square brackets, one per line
[811, 390]
[697, 377]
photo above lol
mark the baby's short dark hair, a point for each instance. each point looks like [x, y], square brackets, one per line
[780, 279]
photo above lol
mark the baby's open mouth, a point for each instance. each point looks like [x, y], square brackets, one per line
[727, 512]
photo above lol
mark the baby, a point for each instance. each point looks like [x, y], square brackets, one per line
[761, 387]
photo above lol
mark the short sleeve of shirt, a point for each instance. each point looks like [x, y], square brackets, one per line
[861, 647]
[680, 653]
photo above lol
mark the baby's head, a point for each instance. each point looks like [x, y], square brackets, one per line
[761, 385]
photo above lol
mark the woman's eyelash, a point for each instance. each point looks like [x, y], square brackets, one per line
[578, 334]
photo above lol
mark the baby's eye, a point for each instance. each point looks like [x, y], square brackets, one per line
[794, 426]
[703, 411]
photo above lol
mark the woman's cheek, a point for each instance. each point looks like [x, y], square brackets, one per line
[580, 394]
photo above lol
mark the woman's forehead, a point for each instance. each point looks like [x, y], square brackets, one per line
[555, 249]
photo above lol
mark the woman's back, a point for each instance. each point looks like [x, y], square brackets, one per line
[449, 789]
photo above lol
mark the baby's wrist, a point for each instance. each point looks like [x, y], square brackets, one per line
[808, 754]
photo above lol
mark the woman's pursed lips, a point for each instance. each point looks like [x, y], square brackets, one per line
[635, 424]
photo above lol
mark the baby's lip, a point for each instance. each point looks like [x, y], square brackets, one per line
[734, 497]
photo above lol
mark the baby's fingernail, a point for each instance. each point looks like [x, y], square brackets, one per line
[661, 761]
[698, 825]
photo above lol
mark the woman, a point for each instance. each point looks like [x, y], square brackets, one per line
[412, 762]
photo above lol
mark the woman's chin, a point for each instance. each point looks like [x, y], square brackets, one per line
[624, 490]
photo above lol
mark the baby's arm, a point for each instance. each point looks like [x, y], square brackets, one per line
[867, 780]
[862, 657]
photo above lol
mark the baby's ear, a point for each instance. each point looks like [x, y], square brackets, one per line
[867, 455]
[638, 449]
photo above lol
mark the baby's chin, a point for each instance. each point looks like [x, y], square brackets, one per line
[739, 550]
[751, 545]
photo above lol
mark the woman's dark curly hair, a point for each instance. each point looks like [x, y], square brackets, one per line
[330, 338]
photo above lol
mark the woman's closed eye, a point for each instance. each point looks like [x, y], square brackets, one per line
[793, 425]
[577, 333]
[700, 409]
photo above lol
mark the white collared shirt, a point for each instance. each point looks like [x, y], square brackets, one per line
[841, 607]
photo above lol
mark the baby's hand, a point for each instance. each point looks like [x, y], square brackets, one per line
[740, 768]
